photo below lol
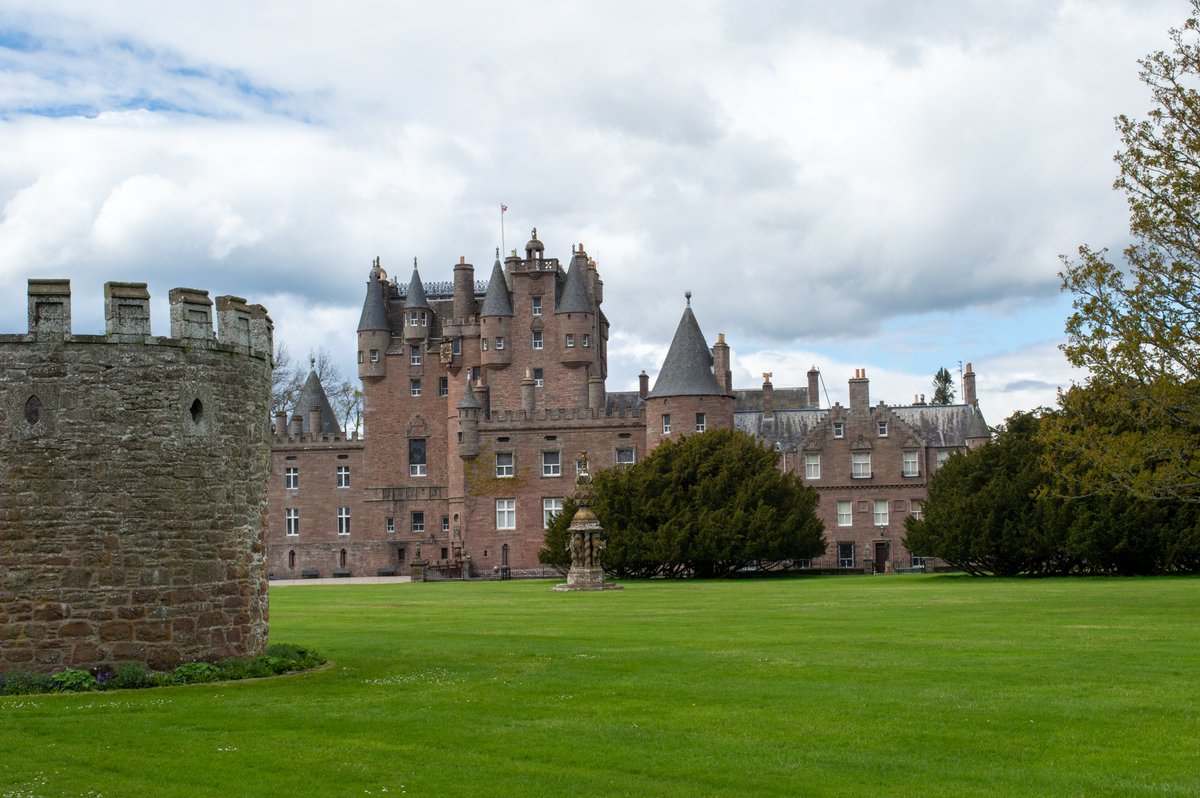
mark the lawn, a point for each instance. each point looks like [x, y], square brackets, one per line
[903, 685]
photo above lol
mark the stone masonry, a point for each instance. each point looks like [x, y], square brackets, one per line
[133, 494]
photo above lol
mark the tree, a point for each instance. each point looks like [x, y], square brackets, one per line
[943, 387]
[288, 378]
[705, 506]
[983, 513]
[1136, 328]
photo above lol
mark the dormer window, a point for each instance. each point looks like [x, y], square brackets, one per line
[882, 427]
[839, 429]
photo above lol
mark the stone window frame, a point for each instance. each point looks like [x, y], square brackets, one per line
[538, 341]
[414, 355]
[291, 478]
[506, 470]
[414, 386]
[389, 525]
[443, 386]
[291, 522]
[910, 458]
[445, 523]
[506, 513]
[881, 427]
[880, 512]
[701, 422]
[666, 423]
[418, 467]
[343, 476]
[812, 465]
[845, 513]
[535, 306]
[843, 560]
[539, 380]
[549, 511]
[552, 469]
[343, 521]
[857, 463]
[417, 522]
[499, 343]
[617, 460]
[570, 340]
[839, 429]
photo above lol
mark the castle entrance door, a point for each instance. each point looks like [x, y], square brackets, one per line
[883, 553]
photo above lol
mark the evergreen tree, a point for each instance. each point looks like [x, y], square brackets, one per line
[943, 387]
[705, 506]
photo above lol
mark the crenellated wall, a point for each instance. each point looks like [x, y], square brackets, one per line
[134, 490]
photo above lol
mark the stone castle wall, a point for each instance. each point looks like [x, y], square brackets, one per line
[133, 495]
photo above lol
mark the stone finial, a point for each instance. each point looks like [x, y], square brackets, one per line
[49, 309]
[126, 309]
[191, 314]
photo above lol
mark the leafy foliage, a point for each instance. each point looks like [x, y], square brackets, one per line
[943, 387]
[73, 680]
[993, 510]
[1136, 328]
[705, 506]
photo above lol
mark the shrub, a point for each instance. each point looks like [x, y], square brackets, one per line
[130, 676]
[27, 682]
[195, 673]
[73, 680]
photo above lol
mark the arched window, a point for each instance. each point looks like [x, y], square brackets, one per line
[342, 559]
[504, 554]
[292, 559]
[33, 410]
[197, 411]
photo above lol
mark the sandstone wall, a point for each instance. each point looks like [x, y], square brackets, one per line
[134, 489]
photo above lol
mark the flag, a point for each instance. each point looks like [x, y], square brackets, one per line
[503, 208]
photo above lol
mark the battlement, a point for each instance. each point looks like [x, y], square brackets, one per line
[240, 327]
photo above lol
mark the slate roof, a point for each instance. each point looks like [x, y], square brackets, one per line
[313, 395]
[574, 297]
[469, 402]
[374, 312]
[415, 298]
[497, 302]
[944, 425]
[687, 369]
[618, 402]
[781, 398]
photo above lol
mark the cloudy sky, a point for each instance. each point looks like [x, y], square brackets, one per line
[865, 184]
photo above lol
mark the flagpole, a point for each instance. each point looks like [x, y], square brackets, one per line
[503, 208]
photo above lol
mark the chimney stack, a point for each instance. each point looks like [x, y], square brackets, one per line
[768, 397]
[969, 387]
[643, 384]
[814, 387]
[860, 394]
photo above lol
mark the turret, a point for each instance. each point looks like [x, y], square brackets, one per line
[313, 409]
[417, 315]
[575, 314]
[469, 410]
[495, 321]
[535, 249]
[374, 331]
[464, 289]
[687, 397]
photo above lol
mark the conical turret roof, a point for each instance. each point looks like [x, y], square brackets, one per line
[497, 302]
[687, 369]
[313, 395]
[374, 312]
[416, 291]
[574, 298]
[469, 402]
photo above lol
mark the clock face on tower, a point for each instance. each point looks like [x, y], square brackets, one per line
[446, 353]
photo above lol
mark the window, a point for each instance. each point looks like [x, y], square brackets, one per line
[291, 478]
[413, 318]
[666, 421]
[882, 427]
[483, 342]
[918, 561]
[839, 429]
[292, 558]
[549, 508]
[499, 342]
[537, 339]
[624, 457]
[401, 554]
[551, 464]
[445, 523]
[700, 422]
[538, 379]
[374, 355]
[845, 555]
[443, 386]
[943, 456]
[414, 356]
[570, 340]
[915, 507]
[360, 356]
[416, 457]
[456, 346]
[537, 309]
[586, 340]
[418, 523]
[291, 521]
[414, 387]
[506, 513]
[343, 517]
[390, 526]
[845, 514]
[880, 517]
[860, 465]
[812, 466]
[445, 553]
[910, 464]
[504, 464]
[343, 476]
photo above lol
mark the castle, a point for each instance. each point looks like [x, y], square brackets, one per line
[478, 397]
[133, 495]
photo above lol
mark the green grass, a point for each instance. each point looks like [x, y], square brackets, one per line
[819, 686]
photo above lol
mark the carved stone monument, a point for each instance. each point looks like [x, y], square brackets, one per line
[587, 538]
